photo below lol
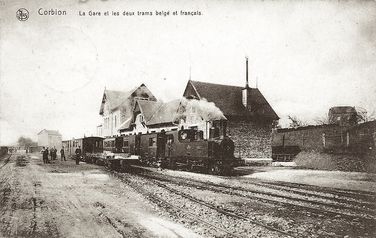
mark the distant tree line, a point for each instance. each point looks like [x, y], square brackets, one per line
[26, 142]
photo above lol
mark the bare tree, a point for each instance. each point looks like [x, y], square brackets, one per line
[296, 122]
[26, 142]
[364, 116]
[323, 120]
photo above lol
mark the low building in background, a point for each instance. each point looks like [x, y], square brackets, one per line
[50, 138]
[343, 116]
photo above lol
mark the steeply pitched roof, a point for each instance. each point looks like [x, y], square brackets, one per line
[164, 114]
[50, 132]
[116, 99]
[229, 99]
[158, 112]
[154, 113]
[148, 108]
[125, 124]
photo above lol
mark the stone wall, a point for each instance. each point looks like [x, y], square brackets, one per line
[252, 140]
[362, 139]
[359, 139]
[310, 138]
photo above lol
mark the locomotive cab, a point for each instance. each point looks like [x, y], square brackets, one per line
[188, 148]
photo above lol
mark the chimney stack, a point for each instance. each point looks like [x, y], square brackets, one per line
[246, 72]
[246, 91]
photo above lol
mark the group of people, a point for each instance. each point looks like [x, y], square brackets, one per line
[53, 154]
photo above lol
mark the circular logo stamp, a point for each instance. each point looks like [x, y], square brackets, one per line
[22, 14]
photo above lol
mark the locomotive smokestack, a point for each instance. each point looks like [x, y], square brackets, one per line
[246, 72]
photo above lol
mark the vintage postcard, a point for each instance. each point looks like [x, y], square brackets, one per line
[198, 118]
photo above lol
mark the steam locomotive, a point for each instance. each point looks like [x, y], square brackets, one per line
[172, 149]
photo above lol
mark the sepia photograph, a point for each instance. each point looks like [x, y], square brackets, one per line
[191, 118]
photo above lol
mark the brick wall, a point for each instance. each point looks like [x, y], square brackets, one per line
[252, 140]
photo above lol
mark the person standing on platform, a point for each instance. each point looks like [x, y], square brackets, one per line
[43, 152]
[51, 154]
[78, 155]
[45, 156]
[62, 154]
[54, 153]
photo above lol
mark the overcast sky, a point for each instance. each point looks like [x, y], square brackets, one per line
[306, 56]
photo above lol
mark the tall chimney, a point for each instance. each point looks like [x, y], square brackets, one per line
[246, 72]
[246, 90]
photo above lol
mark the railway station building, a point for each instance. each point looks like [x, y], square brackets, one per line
[117, 108]
[50, 138]
[242, 113]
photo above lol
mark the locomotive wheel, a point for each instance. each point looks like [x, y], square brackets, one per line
[227, 171]
[214, 169]
[172, 164]
[189, 166]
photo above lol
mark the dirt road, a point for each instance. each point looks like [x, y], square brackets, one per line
[64, 200]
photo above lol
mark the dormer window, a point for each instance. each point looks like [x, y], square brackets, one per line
[192, 97]
[142, 98]
[140, 118]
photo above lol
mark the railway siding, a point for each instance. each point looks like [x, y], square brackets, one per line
[323, 215]
[226, 223]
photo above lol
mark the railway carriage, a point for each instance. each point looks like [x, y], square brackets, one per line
[129, 144]
[117, 153]
[91, 147]
[177, 148]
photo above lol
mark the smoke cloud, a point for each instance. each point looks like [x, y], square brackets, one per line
[208, 111]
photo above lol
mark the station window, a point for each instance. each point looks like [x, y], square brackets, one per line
[152, 141]
[190, 135]
[170, 139]
[214, 132]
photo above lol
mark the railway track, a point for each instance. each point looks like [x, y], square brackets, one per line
[361, 199]
[172, 208]
[353, 200]
[317, 208]
[6, 161]
[334, 202]
[203, 203]
[336, 194]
